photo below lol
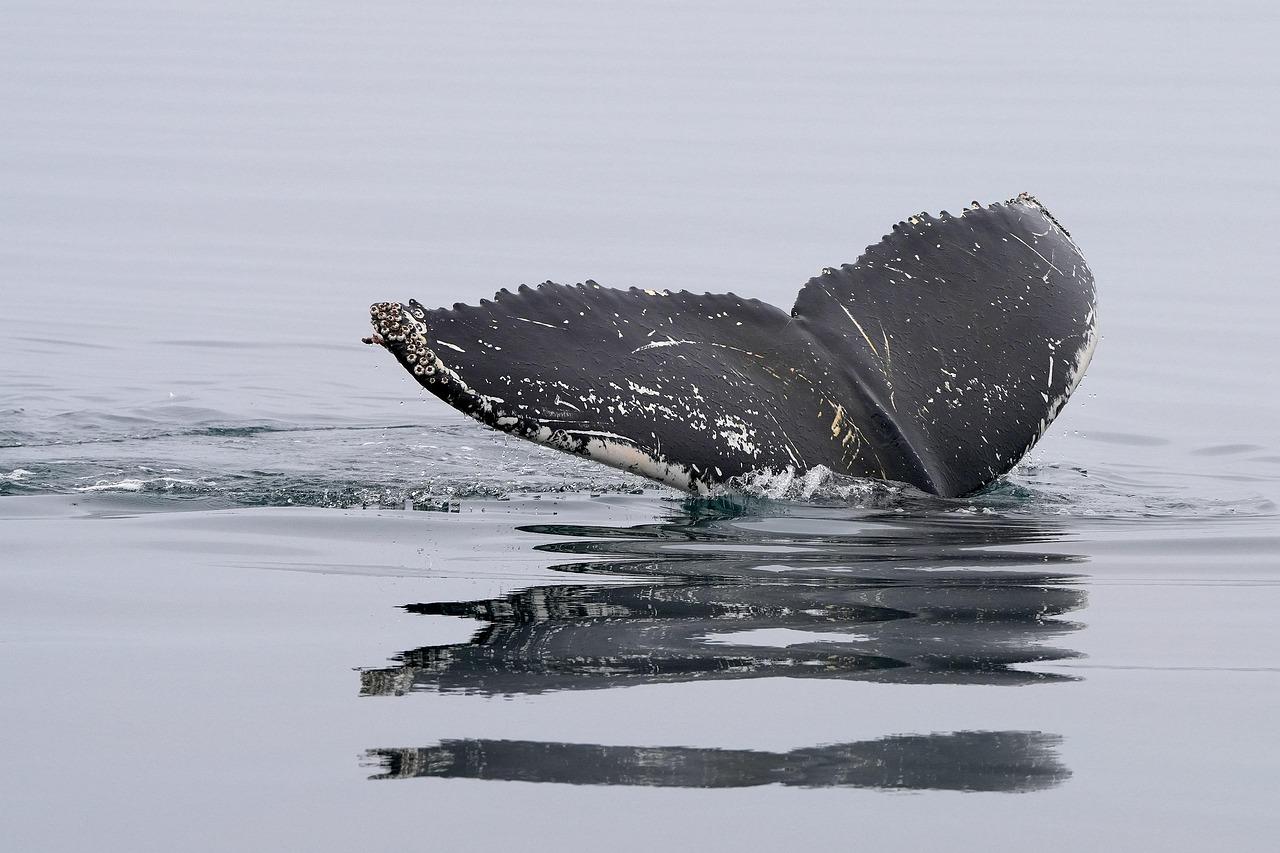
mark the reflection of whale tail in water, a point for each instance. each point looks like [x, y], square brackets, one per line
[938, 359]
[960, 761]
[924, 629]
[924, 601]
[710, 598]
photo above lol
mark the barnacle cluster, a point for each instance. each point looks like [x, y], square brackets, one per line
[402, 331]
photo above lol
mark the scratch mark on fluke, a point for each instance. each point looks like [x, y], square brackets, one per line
[696, 389]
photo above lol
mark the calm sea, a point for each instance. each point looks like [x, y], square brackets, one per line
[257, 592]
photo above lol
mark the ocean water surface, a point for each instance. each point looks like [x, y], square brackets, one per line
[257, 592]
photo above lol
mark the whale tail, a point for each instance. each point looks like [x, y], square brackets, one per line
[938, 359]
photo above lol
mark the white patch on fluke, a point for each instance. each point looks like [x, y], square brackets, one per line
[738, 434]
[537, 322]
[669, 342]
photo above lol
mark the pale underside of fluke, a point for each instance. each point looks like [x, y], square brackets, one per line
[937, 359]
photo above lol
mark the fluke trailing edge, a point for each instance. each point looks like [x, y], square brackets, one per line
[938, 359]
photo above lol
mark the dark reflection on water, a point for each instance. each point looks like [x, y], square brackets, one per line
[908, 628]
[924, 601]
[802, 592]
[960, 761]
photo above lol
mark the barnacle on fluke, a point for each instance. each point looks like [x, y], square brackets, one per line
[937, 359]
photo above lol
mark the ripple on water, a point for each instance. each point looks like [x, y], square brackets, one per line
[187, 453]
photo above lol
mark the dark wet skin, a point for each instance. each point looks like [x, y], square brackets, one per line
[938, 359]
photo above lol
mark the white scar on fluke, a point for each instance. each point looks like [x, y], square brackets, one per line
[937, 359]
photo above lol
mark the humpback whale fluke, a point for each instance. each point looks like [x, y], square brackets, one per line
[938, 359]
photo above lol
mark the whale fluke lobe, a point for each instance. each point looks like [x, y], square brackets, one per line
[937, 359]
